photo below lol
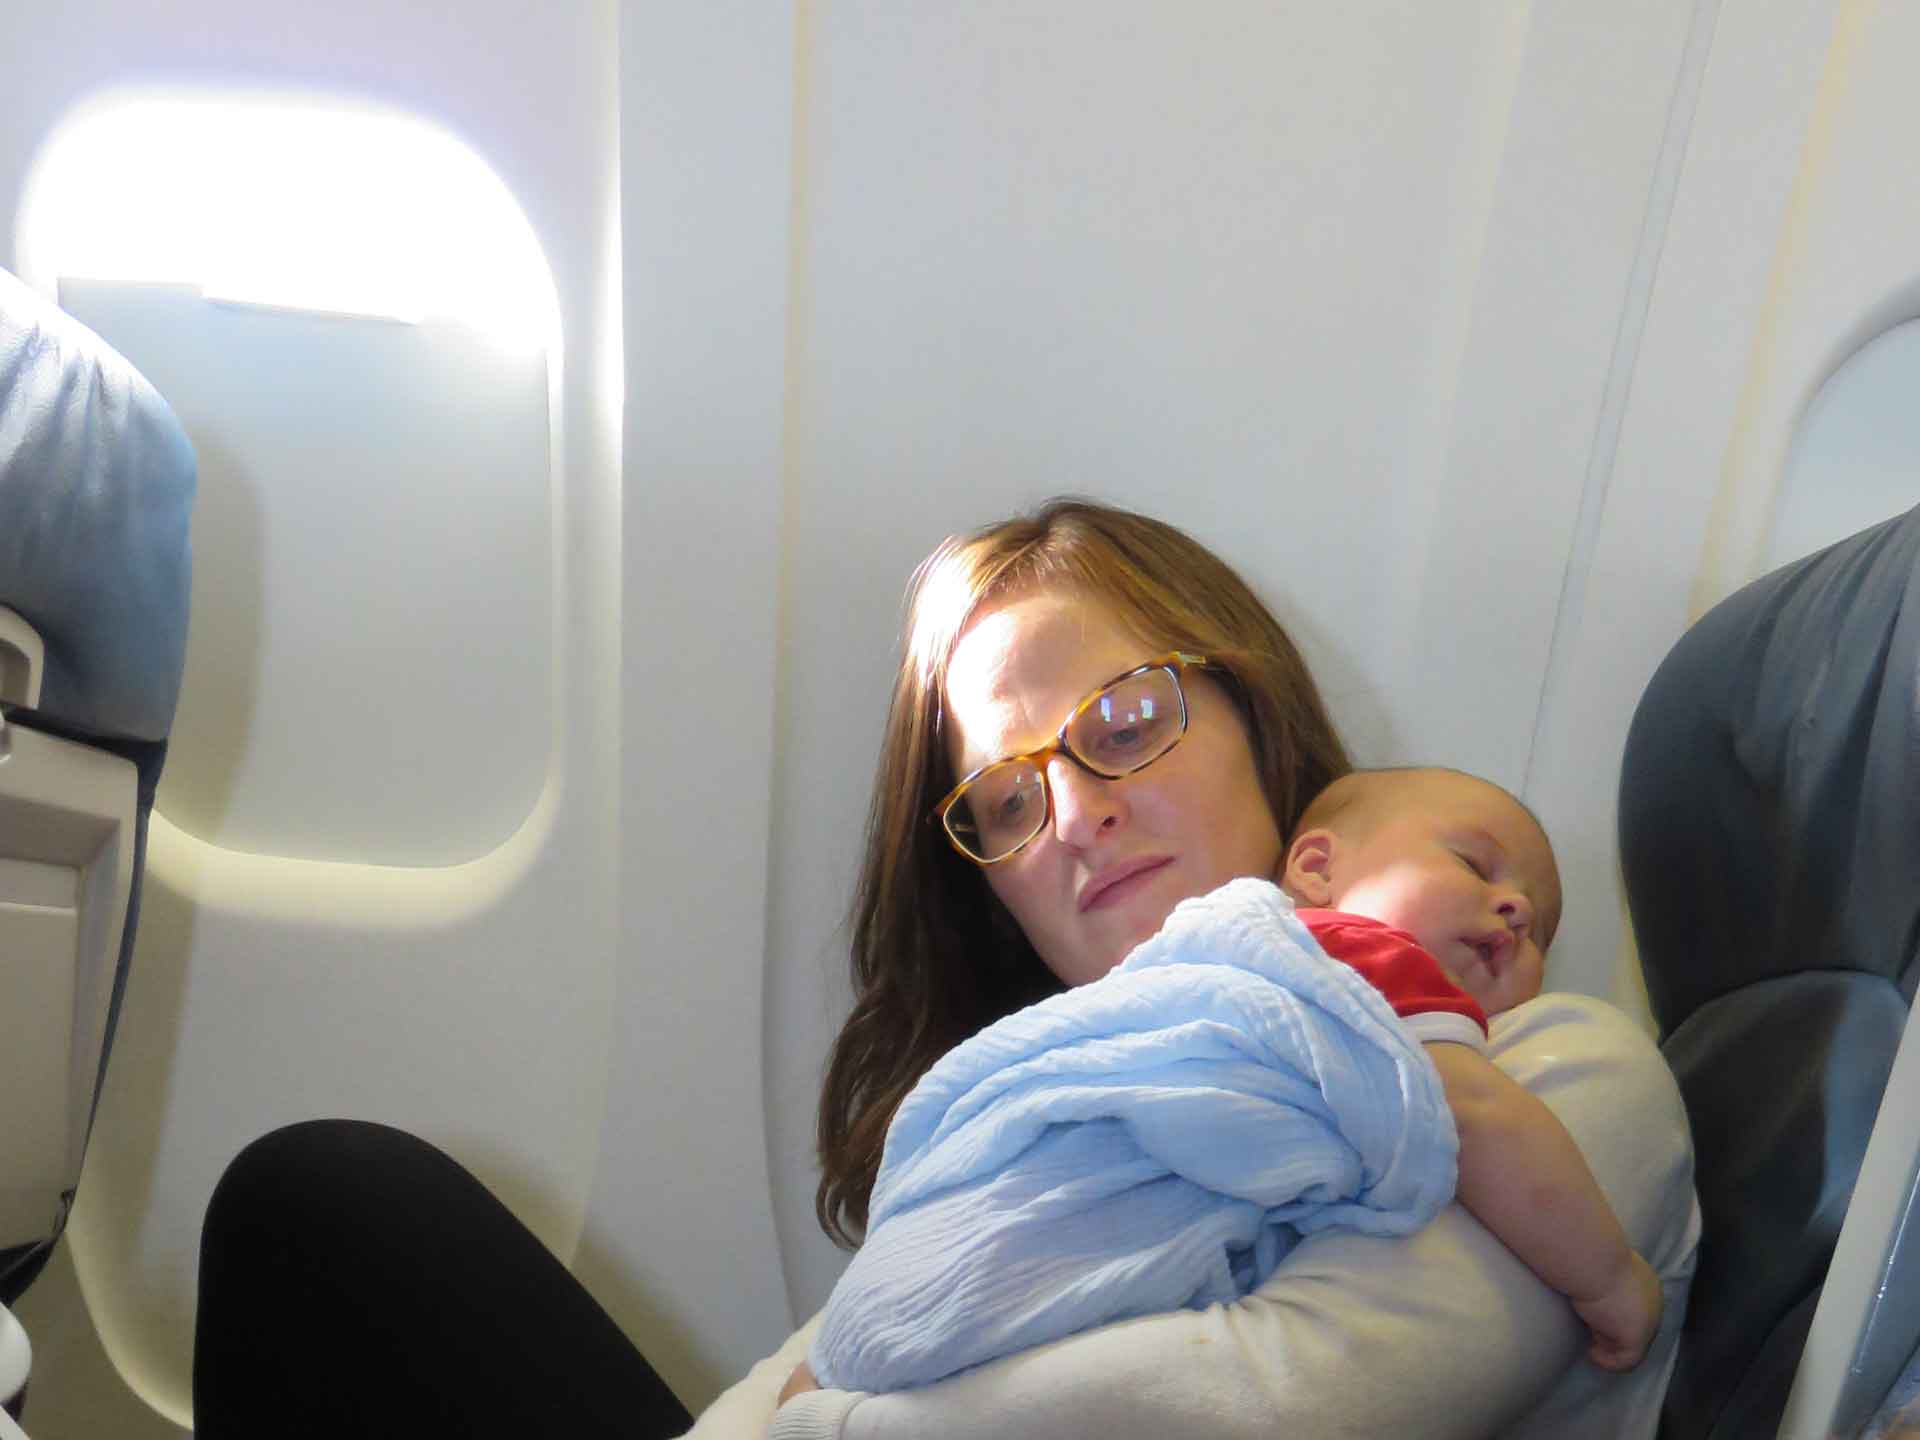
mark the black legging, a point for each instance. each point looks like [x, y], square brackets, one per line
[355, 1282]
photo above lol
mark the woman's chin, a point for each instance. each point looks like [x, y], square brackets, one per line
[1110, 932]
[1133, 930]
[1099, 958]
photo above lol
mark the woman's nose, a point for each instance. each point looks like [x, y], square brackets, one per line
[1083, 803]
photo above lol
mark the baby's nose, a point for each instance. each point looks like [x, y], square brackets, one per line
[1517, 911]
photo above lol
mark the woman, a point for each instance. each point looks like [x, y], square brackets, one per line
[1010, 632]
[1076, 594]
[1041, 873]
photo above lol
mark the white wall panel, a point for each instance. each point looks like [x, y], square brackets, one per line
[1856, 454]
[1337, 290]
[1842, 272]
[1757, 75]
[680, 1242]
[1600, 113]
[283, 973]
[1477, 336]
[1565, 228]
[371, 672]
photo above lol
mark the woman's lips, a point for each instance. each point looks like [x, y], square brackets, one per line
[1117, 882]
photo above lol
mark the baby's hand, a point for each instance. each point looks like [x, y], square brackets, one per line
[1624, 1319]
[798, 1383]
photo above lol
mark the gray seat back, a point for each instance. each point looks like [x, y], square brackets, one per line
[1770, 843]
[96, 487]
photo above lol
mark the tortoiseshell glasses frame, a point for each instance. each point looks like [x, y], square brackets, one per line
[1120, 728]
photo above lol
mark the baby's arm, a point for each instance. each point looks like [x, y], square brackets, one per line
[1522, 1176]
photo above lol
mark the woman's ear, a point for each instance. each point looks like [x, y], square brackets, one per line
[1308, 875]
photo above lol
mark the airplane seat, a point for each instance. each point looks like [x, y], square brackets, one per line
[96, 483]
[1769, 828]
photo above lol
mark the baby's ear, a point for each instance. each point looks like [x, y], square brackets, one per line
[1308, 873]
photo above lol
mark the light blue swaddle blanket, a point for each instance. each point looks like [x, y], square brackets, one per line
[1157, 1139]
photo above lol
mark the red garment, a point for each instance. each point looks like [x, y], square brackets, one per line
[1400, 968]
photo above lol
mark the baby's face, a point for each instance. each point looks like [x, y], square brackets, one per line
[1461, 867]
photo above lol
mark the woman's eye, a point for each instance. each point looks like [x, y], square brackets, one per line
[1005, 804]
[1138, 732]
[1010, 809]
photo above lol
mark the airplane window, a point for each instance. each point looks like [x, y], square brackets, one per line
[351, 316]
[1857, 452]
[310, 207]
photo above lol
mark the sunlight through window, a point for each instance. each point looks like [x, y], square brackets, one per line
[304, 206]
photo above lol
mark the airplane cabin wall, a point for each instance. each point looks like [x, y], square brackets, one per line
[1340, 292]
[1478, 337]
[457, 978]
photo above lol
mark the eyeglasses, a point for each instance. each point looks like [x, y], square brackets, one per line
[1121, 728]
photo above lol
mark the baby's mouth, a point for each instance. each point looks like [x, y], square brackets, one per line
[1492, 951]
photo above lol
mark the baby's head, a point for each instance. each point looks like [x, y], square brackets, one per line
[1453, 860]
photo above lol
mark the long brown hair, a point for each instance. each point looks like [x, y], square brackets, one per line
[935, 955]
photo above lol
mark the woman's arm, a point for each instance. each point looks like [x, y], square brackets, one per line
[1444, 1334]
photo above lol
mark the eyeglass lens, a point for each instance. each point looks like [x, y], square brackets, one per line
[1128, 725]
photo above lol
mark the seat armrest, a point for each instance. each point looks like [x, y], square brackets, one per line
[1868, 1320]
[16, 1364]
[23, 660]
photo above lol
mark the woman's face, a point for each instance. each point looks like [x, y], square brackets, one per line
[1118, 854]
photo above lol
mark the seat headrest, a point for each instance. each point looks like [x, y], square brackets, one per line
[1770, 789]
[96, 485]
